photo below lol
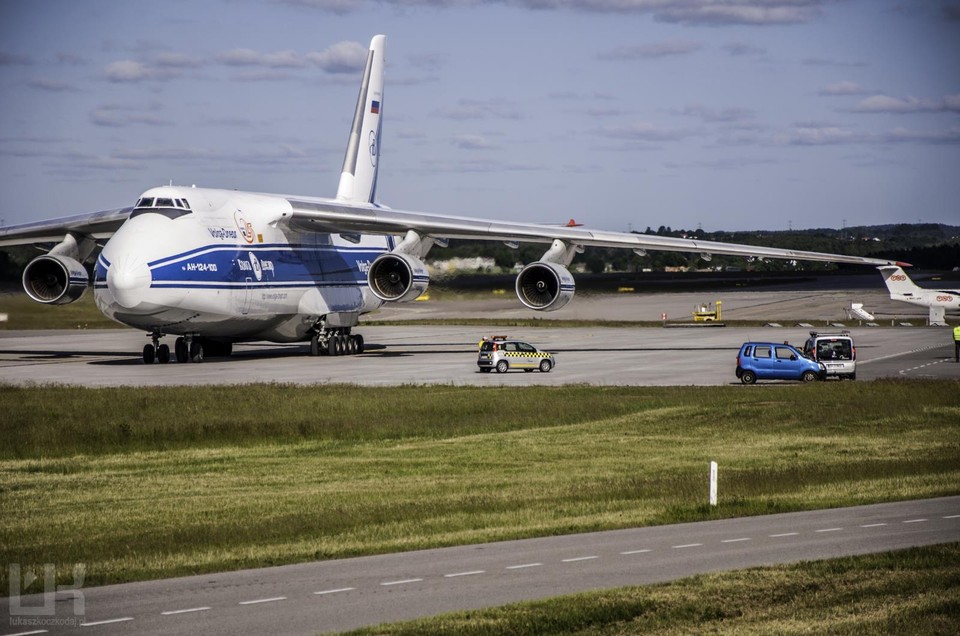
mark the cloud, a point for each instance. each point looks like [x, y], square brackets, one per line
[54, 86]
[825, 134]
[249, 57]
[129, 71]
[342, 57]
[686, 12]
[643, 131]
[887, 104]
[480, 109]
[721, 116]
[843, 88]
[473, 142]
[114, 116]
[742, 49]
[651, 51]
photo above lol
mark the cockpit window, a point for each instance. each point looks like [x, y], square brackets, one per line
[170, 208]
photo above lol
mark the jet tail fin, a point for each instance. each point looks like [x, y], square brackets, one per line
[358, 179]
[898, 283]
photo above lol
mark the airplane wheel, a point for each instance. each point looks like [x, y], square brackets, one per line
[314, 345]
[196, 351]
[180, 350]
[359, 340]
[149, 354]
[341, 345]
[351, 345]
[332, 347]
[163, 354]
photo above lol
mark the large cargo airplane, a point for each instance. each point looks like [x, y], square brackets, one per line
[215, 267]
[905, 290]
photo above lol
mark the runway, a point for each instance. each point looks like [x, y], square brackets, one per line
[447, 355]
[345, 594]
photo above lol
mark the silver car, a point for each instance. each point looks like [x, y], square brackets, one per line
[504, 354]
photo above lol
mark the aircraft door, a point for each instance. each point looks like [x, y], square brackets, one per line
[247, 296]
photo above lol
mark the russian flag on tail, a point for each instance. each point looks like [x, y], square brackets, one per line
[375, 107]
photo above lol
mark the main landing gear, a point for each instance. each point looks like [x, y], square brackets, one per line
[335, 342]
[188, 348]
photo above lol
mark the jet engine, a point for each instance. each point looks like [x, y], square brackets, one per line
[545, 286]
[55, 279]
[397, 277]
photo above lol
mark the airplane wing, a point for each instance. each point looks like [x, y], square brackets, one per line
[95, 225]
[325, 215]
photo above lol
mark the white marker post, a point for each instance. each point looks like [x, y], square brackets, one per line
[713, 483]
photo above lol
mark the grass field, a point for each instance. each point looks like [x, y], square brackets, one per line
[913, 591]
[148, 483]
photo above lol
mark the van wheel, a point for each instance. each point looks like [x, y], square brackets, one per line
[545, 366]
[809, 376]
[748, 377]
[502, 366]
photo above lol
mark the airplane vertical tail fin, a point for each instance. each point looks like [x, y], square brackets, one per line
[898, 283]
[358, 179]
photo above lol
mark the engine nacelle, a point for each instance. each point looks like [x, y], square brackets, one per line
[54, 279]
[545, 286]
[398, 277]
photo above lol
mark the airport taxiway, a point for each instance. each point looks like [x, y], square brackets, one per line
[447, 355]
[344, 594]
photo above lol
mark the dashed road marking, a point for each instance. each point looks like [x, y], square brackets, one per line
[829, 530]
[873, 525]
[336, 591]
[263, 600]
[185, 611]
[471, 573]
[915, 521]
[524, 565]
[687, 545]
[401, 582]
[736, 540]
[784, 534]
[112, 620]
[952, 517]
[635, 551]
[36, 631]
[583, 558]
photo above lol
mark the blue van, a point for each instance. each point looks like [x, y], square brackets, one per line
[773, 361]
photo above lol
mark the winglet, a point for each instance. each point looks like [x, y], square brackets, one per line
[358, 179]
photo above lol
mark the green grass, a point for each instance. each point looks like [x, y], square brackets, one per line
[23, 313]
[914, 591]
[148, 483]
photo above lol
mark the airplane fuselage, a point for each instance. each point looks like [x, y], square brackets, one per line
[193, 260]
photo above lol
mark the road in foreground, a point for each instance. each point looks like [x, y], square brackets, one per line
[344, 594]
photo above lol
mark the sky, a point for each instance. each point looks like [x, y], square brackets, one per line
[621, 114]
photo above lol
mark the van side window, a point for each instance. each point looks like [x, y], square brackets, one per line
[761, 352]
[748, 350]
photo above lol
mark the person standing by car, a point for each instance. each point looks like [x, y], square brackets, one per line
[956, 343]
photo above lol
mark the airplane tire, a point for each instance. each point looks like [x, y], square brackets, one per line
[359, 339]
[163, 354]
[149, 354]
[180, 350]
[314, 345]
[332, 347]
[351, 347]
[196, 351]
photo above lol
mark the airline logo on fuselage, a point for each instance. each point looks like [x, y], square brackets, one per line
[364, 266]
[255, 265]
[222, 233]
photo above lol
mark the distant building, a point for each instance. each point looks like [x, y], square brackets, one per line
[475, 264]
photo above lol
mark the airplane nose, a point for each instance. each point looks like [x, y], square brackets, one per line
[128, 279]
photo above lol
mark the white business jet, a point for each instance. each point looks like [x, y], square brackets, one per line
[905, 290]
[215, 267]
